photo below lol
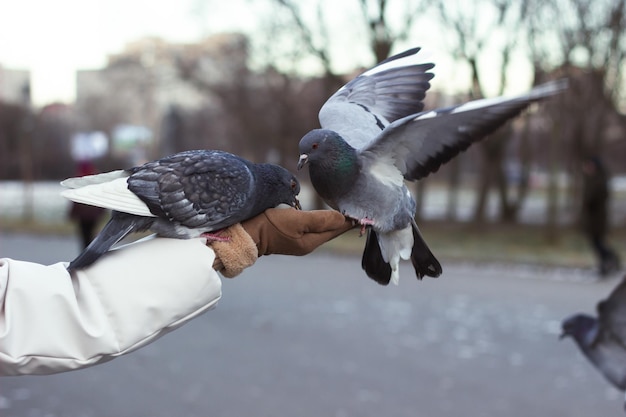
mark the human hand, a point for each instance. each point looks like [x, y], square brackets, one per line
[295, 232]
[276, 231]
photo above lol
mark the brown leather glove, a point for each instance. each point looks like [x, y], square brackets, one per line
[295, 232]
[276, 231]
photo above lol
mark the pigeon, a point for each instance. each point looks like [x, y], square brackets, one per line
[375, 135]
[603, 339]
[185, 195]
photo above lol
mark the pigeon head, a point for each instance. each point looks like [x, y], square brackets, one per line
[333, 163]
[323, 147]
[581, 327]
[282, 187]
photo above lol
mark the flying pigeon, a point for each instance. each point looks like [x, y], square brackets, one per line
[603, 339]
[185, 195]
[374, 136]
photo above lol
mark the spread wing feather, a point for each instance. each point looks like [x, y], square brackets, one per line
[389, 91]
[419, 144]
[612, 313]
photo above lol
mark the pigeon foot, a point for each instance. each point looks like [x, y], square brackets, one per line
[215, 237]
[364, 222]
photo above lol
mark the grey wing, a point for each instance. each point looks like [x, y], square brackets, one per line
[393, 89]
[609, 356]
[420, 144]
[207, 189]
[612, 313]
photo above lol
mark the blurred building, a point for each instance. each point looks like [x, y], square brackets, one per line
[147, 84]
[14, 86]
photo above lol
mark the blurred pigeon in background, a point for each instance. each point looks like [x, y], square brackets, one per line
[374, 136]
[602, 339]
[185, 195]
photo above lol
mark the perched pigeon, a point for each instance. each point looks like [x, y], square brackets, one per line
[374, 136]
[185, 195]
[603, 340]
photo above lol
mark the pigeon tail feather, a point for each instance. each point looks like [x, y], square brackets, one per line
[118, 226]
[113, 195]
[422, 258]
[381, 271]
[396, 245]
[78, 182]
[372, 262]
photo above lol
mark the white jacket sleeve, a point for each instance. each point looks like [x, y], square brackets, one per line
[52, 322]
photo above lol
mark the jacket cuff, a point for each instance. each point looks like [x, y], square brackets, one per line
[237, 252]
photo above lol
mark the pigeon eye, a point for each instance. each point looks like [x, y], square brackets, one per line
[315, 146]
[293, 184]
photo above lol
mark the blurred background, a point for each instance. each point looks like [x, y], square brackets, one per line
[117, 83]
[120, 85]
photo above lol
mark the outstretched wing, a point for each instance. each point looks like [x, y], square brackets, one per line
[194, 188]
[393, 89]
[609, 356]
[420, 144]
[612, 313]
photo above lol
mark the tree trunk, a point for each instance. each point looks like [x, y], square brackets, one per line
[454, 179]
[492, 151]
[552, 194]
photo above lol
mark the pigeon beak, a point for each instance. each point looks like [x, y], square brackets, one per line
[304, 158]
[296, 203]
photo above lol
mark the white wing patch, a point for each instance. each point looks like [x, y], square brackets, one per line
[113, 195]
[386, 172]
[477, 104]
[431, 114]
[414, 59]
[539, 92]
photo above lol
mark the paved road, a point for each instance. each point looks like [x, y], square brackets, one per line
[311, 337]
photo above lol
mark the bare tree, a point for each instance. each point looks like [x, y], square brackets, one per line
[260, 112]
[487, 34]
[385, 23]
[381, 32]
[482, 31]
[590, 38]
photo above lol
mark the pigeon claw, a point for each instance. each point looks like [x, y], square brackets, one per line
[364, 222]
[215, 237]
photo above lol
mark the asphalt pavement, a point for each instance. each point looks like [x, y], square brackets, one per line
[312, 336]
